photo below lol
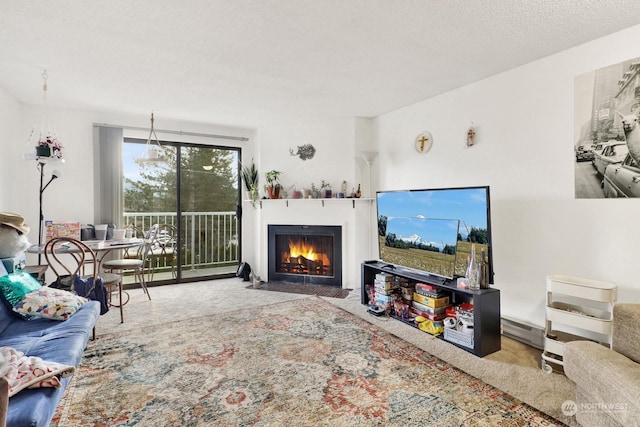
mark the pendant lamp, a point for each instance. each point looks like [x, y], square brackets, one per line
[153, 151]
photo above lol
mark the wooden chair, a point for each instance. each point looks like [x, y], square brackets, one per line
[83, 259]
[82, 256]
[161, 249]
[141, 252]
[120, 266]
[136, 233]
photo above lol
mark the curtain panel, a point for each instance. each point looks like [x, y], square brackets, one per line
[107, 166]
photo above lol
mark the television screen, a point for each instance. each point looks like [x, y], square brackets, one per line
[433, 229]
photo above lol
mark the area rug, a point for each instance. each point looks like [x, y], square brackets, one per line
[299, 288]
[296, 363]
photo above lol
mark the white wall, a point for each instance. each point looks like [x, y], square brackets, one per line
[71, 196]
[333, 161]
[524, 151]
[338, 143]
[10, 145]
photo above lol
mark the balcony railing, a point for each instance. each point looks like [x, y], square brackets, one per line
[208, 239]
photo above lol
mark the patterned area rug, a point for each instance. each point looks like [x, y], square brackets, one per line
[302, 362]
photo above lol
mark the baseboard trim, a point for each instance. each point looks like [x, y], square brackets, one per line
[524, 332]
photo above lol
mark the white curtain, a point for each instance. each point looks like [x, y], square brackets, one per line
[108, 197]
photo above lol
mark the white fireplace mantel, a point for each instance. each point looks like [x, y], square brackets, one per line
[354, 215]
[293, 203]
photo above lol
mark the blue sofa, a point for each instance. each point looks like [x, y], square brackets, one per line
[52, 340]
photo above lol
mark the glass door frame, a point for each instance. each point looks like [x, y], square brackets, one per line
[178, 211]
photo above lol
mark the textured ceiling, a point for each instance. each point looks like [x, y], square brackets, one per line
[247, 62]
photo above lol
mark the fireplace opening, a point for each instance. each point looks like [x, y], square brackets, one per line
[301, 254]
[305, 254]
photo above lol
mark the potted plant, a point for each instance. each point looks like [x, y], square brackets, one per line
[273, 185]
[325, 189]
[49, 146]
[315, 192]
[250, 177]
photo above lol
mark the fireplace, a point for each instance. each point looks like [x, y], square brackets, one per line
[307, 254]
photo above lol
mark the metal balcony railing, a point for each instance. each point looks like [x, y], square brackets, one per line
[208, 239]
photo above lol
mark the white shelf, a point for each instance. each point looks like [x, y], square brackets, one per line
[320, 201]
[587, 315]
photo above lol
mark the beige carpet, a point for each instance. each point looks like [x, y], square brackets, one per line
[296, 288]
[518, 376]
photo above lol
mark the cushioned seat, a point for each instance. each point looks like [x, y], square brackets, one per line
[608, 380]
[121, 266]
[51, 340]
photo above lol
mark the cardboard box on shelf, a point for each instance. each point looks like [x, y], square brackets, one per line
[431, 302]
[55, 229]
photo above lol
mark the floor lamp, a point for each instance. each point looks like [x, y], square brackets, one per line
[47, 149]
[369, 157]
[55, 174]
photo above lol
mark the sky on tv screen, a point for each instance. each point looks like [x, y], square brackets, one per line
[405, 210]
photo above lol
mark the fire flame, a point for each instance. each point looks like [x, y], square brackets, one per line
[308, 251]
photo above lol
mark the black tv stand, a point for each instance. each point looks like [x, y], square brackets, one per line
[486, 303]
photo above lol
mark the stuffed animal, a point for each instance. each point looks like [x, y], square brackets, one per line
[13, 235]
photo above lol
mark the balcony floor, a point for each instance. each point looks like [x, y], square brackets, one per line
[188, 274]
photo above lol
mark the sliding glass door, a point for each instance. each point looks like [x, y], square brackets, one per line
[208, 197]
[186, 199]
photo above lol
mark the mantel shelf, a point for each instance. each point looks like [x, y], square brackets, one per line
[321, 201]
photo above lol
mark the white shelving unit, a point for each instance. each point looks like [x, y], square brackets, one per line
[576, 309]
[320, 201]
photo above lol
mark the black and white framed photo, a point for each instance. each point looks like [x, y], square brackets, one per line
[607, 132]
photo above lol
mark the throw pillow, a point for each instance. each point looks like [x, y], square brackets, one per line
[16, 285]
[55, 304]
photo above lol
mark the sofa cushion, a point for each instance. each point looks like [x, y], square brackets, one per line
[6, 315]
[35, 407]
[625, 330]
[611, 379]
[33, 336]
[57, 341]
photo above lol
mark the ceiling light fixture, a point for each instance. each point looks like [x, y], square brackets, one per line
[153, 152]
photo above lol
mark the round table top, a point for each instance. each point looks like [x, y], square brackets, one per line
[98, 245]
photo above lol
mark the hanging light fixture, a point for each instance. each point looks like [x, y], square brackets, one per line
[47, 148]
[153, 151]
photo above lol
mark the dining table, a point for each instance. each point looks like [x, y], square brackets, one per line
[101, 248]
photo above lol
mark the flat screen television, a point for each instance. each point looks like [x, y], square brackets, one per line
[432, 230]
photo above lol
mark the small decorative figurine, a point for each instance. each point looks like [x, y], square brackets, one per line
[471, 135]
